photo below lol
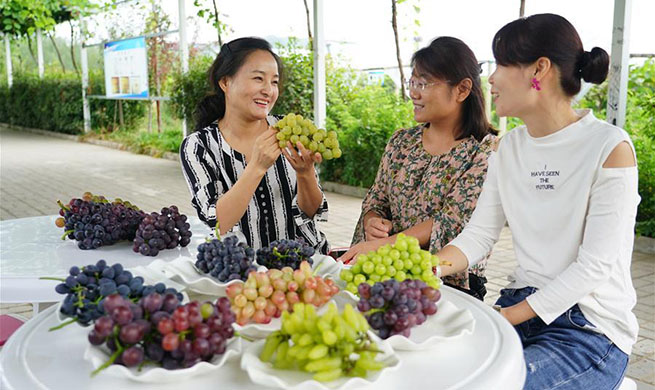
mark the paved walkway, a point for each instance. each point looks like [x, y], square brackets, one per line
[36, 170]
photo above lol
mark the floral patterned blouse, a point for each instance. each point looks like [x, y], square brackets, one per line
[412, 186]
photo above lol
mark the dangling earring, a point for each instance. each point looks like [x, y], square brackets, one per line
[535, 84]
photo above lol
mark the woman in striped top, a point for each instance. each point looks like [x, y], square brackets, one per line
[233, 163]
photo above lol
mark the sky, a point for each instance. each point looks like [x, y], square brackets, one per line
[360, 30]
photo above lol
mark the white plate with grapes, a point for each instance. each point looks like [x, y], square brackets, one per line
[185, 271]
[325, 266]
[263, 373]
[448, 322]
[261, 331]
[150, 278]
[149, 374]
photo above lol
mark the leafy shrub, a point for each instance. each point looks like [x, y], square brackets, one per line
[365, 121]
[640, 124]
[189, 88]
[55, 103]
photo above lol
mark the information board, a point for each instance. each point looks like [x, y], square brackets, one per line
[126, 68]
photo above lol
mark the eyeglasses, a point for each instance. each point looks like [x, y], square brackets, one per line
[419, 85]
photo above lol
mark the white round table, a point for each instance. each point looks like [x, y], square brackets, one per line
[32, 247]
[489, 358]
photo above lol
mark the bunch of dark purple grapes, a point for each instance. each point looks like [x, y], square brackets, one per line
[226, 259]
[160, 330]
[393, 308]
[285, 253]
[94, 222]
[86, 289]
[159, 231]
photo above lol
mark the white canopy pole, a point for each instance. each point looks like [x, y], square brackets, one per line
[39, 51]
[85, 79]
[184, 52]
[487, 93]
[617, 91]
[10, 80]
[319, 65]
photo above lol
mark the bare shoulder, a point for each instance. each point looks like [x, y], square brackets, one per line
[622, 156]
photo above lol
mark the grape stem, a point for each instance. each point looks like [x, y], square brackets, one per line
[80, 297]
[243, 336]
[66, 233]
[368, 349]
[70, 321]
[62, 206]
[217, 230]
[109, 362]
[317, 268]
[52, 278]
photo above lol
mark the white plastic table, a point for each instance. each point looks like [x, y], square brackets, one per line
[32, 247]
[489, 358]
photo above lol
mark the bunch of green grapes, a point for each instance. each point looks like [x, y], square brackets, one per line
[403, 260]
[294, 128]
[330, 346]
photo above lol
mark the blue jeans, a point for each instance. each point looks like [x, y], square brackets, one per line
[568, 353]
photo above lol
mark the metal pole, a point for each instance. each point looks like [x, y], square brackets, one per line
[39, 51]
[85, 80]
[502, 123]
[10, 80]
[184, 52]
[319, 65]
[617, 91]
[487, 94]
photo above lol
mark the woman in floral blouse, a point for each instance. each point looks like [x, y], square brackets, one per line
[430, 175]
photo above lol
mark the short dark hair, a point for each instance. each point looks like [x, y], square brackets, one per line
[450, 59]
[525, 40]
[227, 63]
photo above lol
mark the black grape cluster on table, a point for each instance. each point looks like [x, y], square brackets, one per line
[393, 308]
[160, 330]
[159, 231]
[94, 222]
[285, 253]
[226, 259]
[86, 289]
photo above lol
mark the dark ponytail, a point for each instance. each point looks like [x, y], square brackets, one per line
[450, 59]
[524, 41]
[227, 63]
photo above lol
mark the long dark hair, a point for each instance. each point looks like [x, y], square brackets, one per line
[227, 63]
[524, 41]
[449, 58]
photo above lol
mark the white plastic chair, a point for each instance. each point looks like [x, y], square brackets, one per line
[628, 384]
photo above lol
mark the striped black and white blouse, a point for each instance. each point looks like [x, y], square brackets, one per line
[211, 167]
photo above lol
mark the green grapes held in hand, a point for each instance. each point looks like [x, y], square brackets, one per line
[294, 128]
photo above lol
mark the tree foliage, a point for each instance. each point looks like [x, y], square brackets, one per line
[22, 17]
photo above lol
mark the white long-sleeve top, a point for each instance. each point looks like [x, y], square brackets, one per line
[572, 223]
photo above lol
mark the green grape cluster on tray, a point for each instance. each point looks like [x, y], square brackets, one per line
[329, 346]
[403, 260]
[294, 128]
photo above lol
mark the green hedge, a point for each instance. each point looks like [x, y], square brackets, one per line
[55, 103]
[640, 124]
